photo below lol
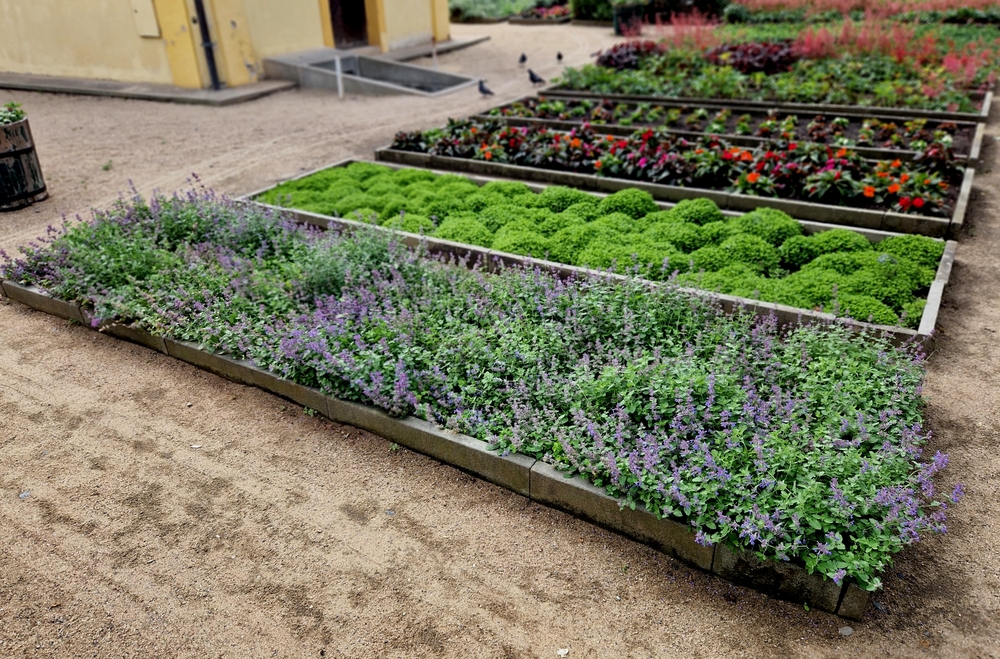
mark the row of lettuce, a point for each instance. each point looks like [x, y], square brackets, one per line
[763, 254]
[800, 444]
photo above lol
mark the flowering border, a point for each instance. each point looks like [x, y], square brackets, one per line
[875, 153]
[533, 479]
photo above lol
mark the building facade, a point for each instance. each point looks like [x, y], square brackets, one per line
[163, 41]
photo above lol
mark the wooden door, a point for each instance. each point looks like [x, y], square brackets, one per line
[350, 25]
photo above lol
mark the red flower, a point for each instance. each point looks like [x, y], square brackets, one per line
[905, 202]
[598, 164]
[793, 146]
[896, 163]
[746, 156]
[894, 188]
[726, 155]
[918, 203]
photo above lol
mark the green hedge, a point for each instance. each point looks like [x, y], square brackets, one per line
[763, 254]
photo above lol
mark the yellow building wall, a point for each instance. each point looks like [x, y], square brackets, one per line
[80, 38]
[407, 22]
[286, 26]
[442, 20]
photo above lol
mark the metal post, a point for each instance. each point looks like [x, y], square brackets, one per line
[206, 43]
[340, 80]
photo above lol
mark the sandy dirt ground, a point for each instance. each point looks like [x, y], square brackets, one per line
[289, 536]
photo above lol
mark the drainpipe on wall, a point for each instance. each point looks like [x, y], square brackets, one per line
[206, 43]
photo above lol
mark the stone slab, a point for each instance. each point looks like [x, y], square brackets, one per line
[38, 299]
[962, 205]
[135, 335]
[853, 603]
[934, 227]
[584, 499]
[297, 393]
[783, 580]
[232, 369]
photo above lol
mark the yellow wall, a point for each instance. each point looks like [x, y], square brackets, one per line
[442, 20]
[407, 23]
[181, 41]
[59, 38]
[285, 26]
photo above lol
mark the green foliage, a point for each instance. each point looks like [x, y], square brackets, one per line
[797, 251]
[10, 113]
[517, 226]
[697, 211]
[410, 222]
[865, 308]
[716, 233]
[641, 257]
[567, 244]
[591, 10]
[528, 243]
[558, 222]
[921, 250]
[684, 236]
[463, 229]
[366, 215]
[620, 222]
[912, 313]
[839, 240]
[770, 224]
[814, 288]
[509, 189]
[633, 202]
[585, 210]
[709, 259]
[752, 251]
[558, 198]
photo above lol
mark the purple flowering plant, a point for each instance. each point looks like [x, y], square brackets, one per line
[798, 443]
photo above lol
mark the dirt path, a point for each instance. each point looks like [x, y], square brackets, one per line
[285, 535]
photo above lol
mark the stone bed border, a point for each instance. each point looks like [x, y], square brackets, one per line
[474, 254]
[935, 227]
[970, 160]
[536, 480]
[518, 20]
[820, 108]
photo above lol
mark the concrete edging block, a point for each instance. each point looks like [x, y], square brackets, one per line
[784, 580]
[39, 300]
[853, 603]
[934, 227]
[585, 500]
[297, 393]
[962, 205]
[236, 370]
[135, 335]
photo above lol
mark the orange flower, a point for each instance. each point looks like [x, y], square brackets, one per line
[610, 138]
[575, 142]
[927, 181]
[753, 177]
[473, 130]
[904, 178]
[841, 153]
[894, 188]
[488, 155]
[746, 156]
[869, 191]
[598, 164]
[897, 163]
[882, 174]
[698, 152]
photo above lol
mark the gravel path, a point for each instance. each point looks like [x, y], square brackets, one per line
[287, 535]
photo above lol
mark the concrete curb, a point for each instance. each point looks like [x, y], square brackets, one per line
[536, 480]
[933, 227]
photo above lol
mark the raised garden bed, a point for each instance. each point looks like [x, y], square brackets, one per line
[586, 157]
[740, 411]
[984, 100]
[21, 180]
[554, 15]
[870, 135]
[515, 242]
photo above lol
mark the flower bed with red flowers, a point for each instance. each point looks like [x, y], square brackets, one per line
[788, 170]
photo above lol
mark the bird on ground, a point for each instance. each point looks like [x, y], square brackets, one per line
[559, 56]
[484, 90]
[522, 59]
[535, 78]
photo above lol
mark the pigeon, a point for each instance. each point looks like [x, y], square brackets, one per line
[522, 59]
[535, 78]
[559, 56]
[484, 90]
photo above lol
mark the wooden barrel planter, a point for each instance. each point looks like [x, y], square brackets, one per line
[21, 182]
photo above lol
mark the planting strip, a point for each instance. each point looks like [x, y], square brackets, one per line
[860, 110]
[533, 479]
[517, 20]
[934, 227]
[474, 255]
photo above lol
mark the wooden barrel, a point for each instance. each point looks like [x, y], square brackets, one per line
[21, 181]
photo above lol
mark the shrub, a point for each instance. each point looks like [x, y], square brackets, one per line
[770, 224]
[797, 251]
[558, 222]
[640, 257]
[383, 187]
[913, 312]
[839, 240]
[633, 202]
[752, 251]
[509, 189]
[565, 246]
[710, 259]
[684, 236]
[362, 171]
[523, 225]
[558, 198]
[407, 177]
[921, 250]
[498, 216]
[585, 210]
[620, 222]
[410, 222]
[527, 243]
[865, 308]
[769, 57]
[628, 54]
[366, 215]
[351, 202]
[464, 230]
[815, 288]
[716, 233]
[697, 211]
